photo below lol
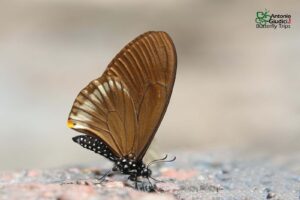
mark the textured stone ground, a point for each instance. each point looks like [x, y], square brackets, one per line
[194, 175]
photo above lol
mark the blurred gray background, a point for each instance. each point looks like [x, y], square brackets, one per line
[237, 86]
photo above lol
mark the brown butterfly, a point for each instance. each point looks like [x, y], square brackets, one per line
[121, 111]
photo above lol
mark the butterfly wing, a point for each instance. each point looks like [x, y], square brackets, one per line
[105, 109]
[147, 65]
[124, 107]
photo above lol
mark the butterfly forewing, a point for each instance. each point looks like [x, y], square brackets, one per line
[125, 106]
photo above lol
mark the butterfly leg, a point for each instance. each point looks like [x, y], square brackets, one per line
[151, 185]
[134, 178]
[142, 186]
[104, 176]
[135, 183]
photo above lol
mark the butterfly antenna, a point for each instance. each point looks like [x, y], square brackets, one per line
[104, 176]
[161, 159]
[168, 160]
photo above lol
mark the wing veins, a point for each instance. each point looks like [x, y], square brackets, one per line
[133, 80]
[117, 144]
[153, 54]
[145, 58]
[142, 58]
[120, 69]
[93, 126]
[99, 92]
[138, 77]
[149, 58]
[156, 44]
[130, 53]
[90, 113]
[90, 100]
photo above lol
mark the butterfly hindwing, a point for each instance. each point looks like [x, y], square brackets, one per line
[105, 109]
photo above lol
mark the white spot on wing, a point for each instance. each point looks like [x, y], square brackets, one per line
[118, 85]
[111, 83]
[96, 82]
[106, 86]
[102, 90]
[96, 93]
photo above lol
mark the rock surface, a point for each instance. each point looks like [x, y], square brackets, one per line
[194, 175]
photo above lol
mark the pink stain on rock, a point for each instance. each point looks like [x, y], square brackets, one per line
[74, 170]
[134, 194]
[167, 186]
[32, 173]
[6, 176]
[50, 191]
[114, 184]
[78, 192]
[179, 174]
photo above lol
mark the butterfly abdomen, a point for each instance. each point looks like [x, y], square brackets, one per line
[96, 145]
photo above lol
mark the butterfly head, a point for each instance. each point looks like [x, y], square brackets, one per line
[146, 172]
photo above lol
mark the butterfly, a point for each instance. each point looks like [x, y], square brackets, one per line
[120, 112]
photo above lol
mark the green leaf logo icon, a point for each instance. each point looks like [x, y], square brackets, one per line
[262, 17]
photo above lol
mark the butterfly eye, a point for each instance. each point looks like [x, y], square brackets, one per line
[70, 124]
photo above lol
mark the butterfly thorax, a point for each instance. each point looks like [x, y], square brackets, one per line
[132, 167]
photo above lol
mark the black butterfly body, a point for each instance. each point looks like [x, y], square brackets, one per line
[120, 112]
[126, 165]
